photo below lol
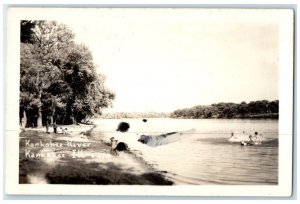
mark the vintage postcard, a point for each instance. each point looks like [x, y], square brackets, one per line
[149, 101]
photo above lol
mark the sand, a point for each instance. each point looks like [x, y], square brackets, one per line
[72, 158]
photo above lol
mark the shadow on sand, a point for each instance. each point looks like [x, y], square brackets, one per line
[101, 173]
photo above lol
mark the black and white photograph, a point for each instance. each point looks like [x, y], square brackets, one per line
[146, 98]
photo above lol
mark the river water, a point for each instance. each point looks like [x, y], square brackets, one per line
[206, 156]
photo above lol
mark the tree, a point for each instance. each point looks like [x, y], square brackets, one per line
[87, 93]
[49, 40]
[28, 98]
[27, 34]
[274, 106]
[58, 77]
[255, 109]
[243, 109]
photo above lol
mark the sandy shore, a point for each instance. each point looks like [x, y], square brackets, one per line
[75, 159]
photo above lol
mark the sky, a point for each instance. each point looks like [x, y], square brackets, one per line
[166, 59]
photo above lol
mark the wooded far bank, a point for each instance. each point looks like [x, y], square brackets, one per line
[252, 110]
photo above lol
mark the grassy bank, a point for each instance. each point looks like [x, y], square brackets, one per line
[73, 159]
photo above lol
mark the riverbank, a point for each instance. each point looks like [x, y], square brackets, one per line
[274, 116]
[261, 109]
[72, 158]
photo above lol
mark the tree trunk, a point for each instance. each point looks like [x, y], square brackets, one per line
[53, 106]
[40, 115]
[24, 121]
[72, 119]
[51, 120]
[39, 120]
[47, 124]
[72, 116]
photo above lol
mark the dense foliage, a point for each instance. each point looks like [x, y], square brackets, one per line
[254, 109]
[58, 78]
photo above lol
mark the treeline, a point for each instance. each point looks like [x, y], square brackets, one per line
[58, 78]
[118, 115]
[253, 109]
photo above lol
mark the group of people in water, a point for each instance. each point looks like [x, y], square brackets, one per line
[255, 139]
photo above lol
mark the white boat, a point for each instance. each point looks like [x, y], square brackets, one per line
[163, 139]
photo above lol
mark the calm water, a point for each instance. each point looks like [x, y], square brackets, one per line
[205, 157]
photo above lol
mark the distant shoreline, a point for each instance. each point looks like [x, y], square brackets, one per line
[262, 109]
[274, 116]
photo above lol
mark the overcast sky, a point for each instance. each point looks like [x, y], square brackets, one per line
[165, 59]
